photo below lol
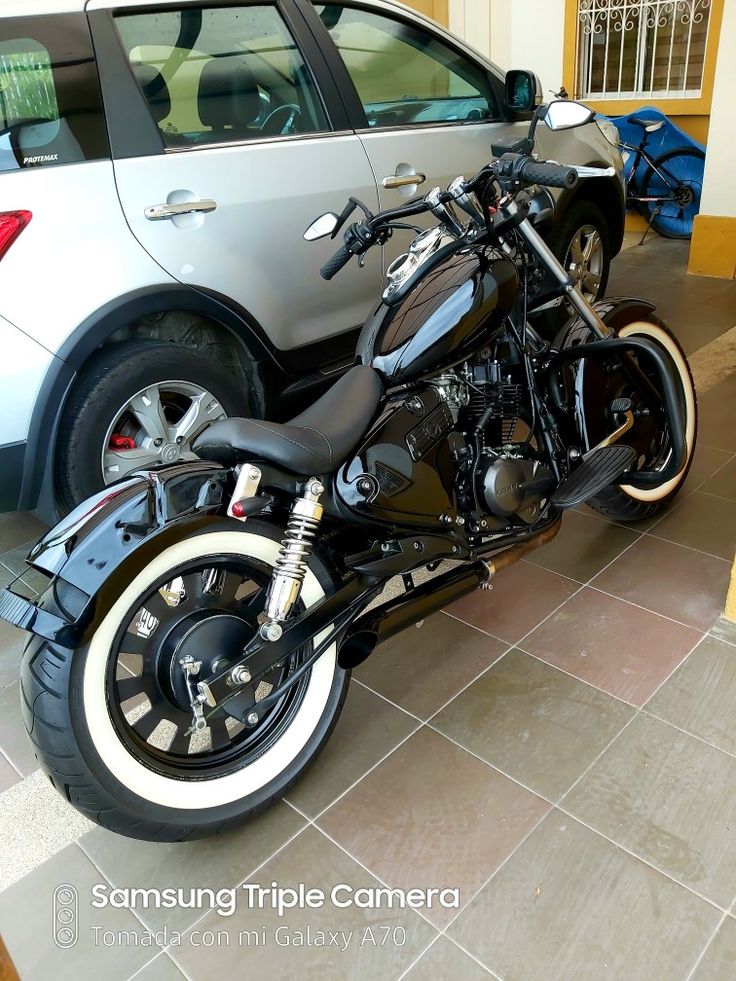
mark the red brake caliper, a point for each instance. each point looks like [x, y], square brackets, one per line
[120, 442]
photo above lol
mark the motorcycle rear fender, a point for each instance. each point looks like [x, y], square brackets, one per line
[93, 553]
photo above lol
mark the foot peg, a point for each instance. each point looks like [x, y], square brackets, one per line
[599, 468]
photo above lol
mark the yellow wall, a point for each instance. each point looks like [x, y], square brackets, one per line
[436, 9]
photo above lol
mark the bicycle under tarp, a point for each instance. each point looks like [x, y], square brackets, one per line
[665, 187]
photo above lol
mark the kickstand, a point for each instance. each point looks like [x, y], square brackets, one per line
[655, 214]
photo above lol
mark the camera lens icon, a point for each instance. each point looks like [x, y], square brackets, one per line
[66, 916]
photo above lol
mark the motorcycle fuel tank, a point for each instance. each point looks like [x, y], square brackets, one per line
[453, 310]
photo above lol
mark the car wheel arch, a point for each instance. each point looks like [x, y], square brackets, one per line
[107, 326]
[602, 192]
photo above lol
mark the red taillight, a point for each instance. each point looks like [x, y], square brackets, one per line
[12, 224]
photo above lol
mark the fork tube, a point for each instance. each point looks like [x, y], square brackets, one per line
[532, 237]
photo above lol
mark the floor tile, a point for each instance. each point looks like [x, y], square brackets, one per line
[318, 863]
[444, 961]
[12, 642]
[707, 461]
[533, 722]
[724, 630]
[432, 815]
[719, 960]
[8, 774]
[219, 862]
[569, 904]
[17, 528]
[15, 560]
[522, 596]
[700, 697]
[583, 547]
[723, 483]
[36, 823]
[162, 968]
[715, 416]
[14, 741]
[613, 645]
[670, 799]
[26, 913]
[670, 579]
[368, 729]
[701, 521]
[421, 669]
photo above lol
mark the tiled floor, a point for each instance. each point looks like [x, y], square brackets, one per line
[562, 750]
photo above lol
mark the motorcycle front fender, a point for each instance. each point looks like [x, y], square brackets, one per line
[93, 553]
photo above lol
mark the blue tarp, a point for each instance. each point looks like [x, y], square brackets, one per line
[669, 137]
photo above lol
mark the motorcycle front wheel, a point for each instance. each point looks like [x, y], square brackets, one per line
[626, 502]
[111, 722]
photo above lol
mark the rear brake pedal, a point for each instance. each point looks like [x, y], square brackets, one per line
[600, 467]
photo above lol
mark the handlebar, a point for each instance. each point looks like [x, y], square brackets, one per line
[516, 168]
[529, 171]
[334, 264]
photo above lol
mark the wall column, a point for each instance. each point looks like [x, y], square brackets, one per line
[713, 246]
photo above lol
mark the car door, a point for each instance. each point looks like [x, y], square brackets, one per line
[247, 150]
[430, 110]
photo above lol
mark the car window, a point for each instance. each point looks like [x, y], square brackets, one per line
[220, 75]
[406, 75]
[50, 111]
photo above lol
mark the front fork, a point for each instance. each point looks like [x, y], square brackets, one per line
[537, 244]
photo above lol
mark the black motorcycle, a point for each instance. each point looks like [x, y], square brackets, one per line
[192, 649]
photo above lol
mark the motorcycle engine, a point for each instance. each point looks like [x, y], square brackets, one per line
[500, 479]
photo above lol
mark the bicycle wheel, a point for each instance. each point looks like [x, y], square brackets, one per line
[682, 170]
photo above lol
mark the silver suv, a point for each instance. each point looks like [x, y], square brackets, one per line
[159, 162]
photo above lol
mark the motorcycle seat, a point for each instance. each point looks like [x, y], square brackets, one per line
[315, 442]
[650, 125]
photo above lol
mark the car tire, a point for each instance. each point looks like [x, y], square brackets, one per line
[579, 217]
[101, 398]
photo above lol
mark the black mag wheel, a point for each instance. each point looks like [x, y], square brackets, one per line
[605, 382]
[676, 176]
[111, 721]
[204, 615]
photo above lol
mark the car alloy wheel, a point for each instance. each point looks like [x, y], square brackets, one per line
[585, 260]
[156, 426]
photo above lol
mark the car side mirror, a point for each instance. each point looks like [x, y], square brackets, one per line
[523, 93]
[321, 227]
[565, 114]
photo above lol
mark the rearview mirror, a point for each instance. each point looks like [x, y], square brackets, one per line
[564, 114]
[321, 227]
[523, 92]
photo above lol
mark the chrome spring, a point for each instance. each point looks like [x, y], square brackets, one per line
[290, 567]
[296, 546]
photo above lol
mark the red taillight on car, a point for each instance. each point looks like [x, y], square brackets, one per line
[12, 224]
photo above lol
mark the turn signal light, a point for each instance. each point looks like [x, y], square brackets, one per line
[12, 224]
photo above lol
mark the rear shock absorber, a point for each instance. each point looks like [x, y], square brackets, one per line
[291, 565]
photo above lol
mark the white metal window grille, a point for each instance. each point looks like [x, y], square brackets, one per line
[641, 48]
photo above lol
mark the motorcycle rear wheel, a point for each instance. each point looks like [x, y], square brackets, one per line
[118, 770]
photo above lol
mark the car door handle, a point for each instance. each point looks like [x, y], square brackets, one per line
[403, 180]
[160, 212]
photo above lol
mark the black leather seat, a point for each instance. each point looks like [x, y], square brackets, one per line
[315, 442]
[650, 125]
